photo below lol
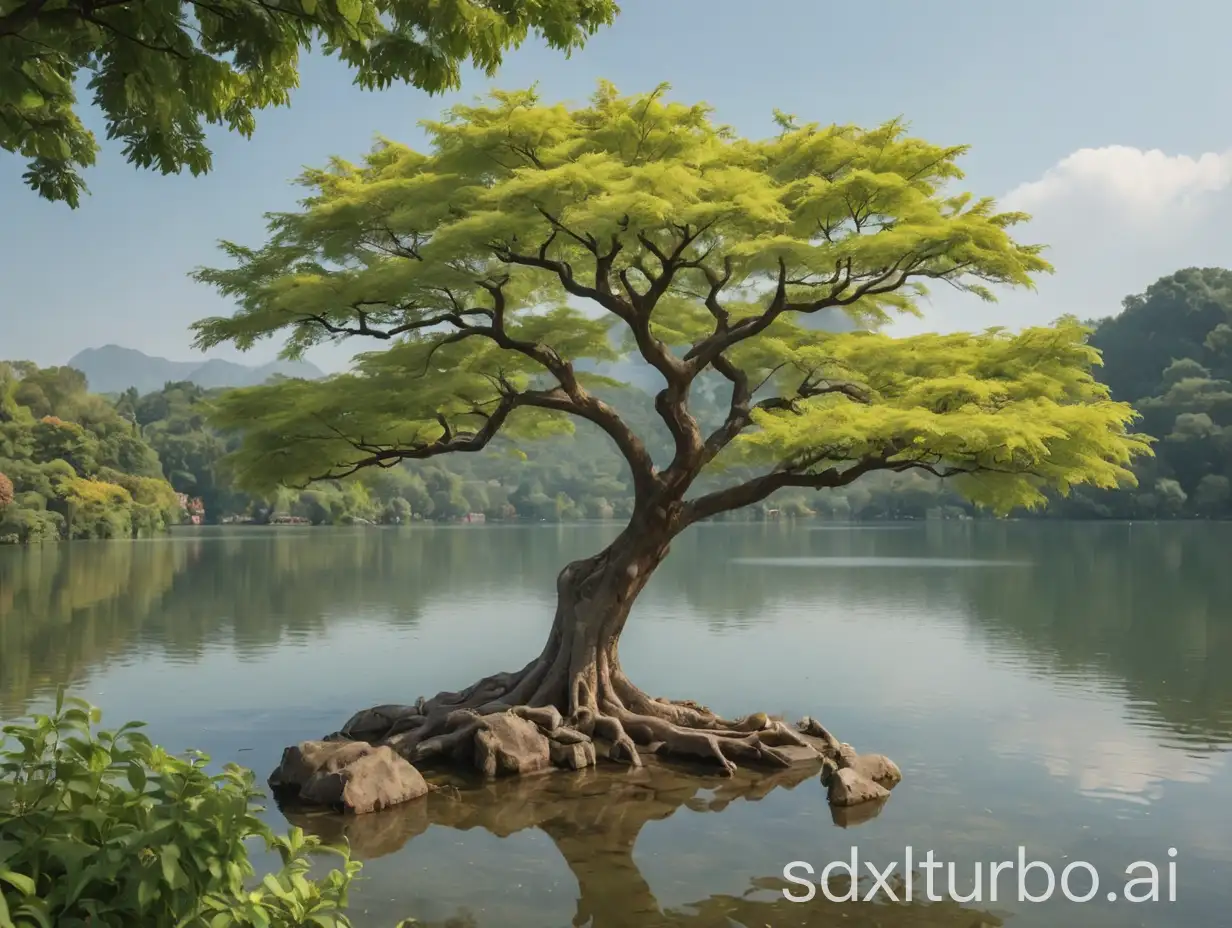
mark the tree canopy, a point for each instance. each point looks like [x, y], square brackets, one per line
[1170, 354]
[533, 236]
[70, 464]
[160, 71]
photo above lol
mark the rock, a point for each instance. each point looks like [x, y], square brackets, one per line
[353, 776]
[758, 721]
[300, 762]
[373, 782]
[506, 745]
[814, 729]
[851, 816]
[568, 736]
[547, 717]
[850, 788]
[573, 756]
[797, 753]
[376, 722]
[878, 768]
[829, 767]
[846, 755]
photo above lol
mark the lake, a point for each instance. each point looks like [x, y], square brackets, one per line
[1057, 686]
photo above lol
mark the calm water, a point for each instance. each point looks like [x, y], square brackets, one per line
[1063, 687]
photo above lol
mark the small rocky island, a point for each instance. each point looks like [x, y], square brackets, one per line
[359, 769]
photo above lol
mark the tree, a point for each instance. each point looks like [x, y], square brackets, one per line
[1173, 320]
[706, 250]
[1167, 353]
[73, 462]
[6, 492]
[161, 71]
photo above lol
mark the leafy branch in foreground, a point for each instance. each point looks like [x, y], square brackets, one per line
[104, 829]
[161, 70]
[700, 253]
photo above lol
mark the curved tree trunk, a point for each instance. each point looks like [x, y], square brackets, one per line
[580, 663]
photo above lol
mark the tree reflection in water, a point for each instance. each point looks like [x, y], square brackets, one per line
[594, 817]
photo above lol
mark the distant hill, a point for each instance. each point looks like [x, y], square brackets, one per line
[113, 369]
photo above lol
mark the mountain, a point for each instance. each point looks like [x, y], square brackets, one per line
[113, 369]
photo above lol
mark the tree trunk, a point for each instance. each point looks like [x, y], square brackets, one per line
[594, 596]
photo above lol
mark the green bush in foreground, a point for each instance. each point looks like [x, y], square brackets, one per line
[105, 829]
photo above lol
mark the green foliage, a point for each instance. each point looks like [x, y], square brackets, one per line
[160, 72]
[76, 466]
[173, 422]
[702, 252]
[1021, 412]
[1169, 354]
[101, 828]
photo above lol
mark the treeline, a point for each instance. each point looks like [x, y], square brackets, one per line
[71, 466]
[560, 479]
[1169, 353]
[565, 479]
[78, 465]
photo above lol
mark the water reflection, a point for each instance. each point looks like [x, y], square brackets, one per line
[593, 819]
[1143, 608]
[882, 562]
[1078, 701]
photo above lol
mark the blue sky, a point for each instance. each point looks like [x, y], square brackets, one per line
[1109, 120]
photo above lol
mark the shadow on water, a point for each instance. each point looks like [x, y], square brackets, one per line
[594, 817]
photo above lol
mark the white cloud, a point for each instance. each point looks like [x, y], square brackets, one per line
[1137, 185]
[1115, 219]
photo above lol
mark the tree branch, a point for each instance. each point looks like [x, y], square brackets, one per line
[630, 309]
[364, 329]
[741, 407]
[573, 397]
[580, 402]
[634, 310]
[757, 489]
[883, 280]
[451, 441]
[13, 22]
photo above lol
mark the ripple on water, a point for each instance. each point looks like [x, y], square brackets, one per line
[931, 562]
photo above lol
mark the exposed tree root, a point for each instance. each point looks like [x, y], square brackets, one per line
[619, 716]
[575, 692]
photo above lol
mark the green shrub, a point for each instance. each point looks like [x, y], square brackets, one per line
[105, 829]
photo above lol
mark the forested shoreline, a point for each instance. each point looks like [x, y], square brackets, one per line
[74, 464]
